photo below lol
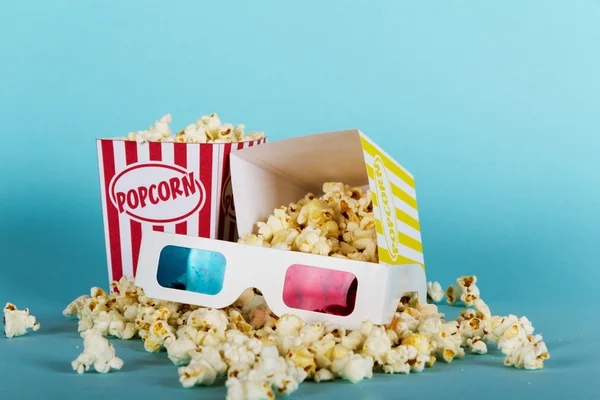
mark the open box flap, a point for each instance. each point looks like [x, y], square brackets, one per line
[394, 206]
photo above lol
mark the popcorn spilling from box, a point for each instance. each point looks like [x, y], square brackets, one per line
[17, 322]
[340, 223]
[275, 355]
[208, 129]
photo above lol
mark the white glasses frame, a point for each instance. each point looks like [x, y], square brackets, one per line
[380, 286]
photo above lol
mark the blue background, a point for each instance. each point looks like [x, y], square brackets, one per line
[494, 107]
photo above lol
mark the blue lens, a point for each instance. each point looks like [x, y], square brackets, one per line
[193, 270]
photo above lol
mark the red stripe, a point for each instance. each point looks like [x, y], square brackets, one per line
[206, 168]
[130, 152]
[131, 156]
[155, 150]
[224, 176]
[180, 158]
[114, 237]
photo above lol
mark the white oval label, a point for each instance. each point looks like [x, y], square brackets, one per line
[387, 209]
[157, 193]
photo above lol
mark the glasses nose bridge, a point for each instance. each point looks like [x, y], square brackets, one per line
[241, 275]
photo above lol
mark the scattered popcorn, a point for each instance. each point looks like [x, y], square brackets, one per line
[354, 368]
[303, 358]
[477, 345]
[239, 370]
[209, 320]
[180, 350]
[377, 346]
[120, 327]
[310, 333]
[353, 341]
[284, 375]
[530, 355]
[323, 375]
[435, 291]
[447, 342]
[471, 328]
[248, 390]
[323, 350]
[263, 355]
[465, 291]
[97, 352]
[75, 306]
[430, 325]
[17, 322]
[288, 325]
[419, 341]
[482, 308]
[206, 364]
[399, 360]
[496, 326]
[270, 371]
[521, 347]
[403, 323]
[239, 352]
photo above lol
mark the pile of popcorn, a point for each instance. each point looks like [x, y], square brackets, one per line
[340, 223]
[208, 129]
[17, 322]
[262, 355]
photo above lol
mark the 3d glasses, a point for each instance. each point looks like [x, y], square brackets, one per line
[213, 273]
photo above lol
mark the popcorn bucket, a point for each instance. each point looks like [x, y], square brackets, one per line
[182, 188]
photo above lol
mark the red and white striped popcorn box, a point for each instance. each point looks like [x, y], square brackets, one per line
[182, 188]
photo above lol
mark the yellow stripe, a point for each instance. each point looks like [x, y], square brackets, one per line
[389, 164]
[396, 191]
[411, 243]
[401, 194]
[384, 256]
[403, 238]
[401, 215]
[370, 172]
[408, 220]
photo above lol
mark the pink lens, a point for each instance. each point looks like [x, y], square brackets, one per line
[320, 290]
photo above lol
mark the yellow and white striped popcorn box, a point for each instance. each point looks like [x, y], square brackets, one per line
[283, 171]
